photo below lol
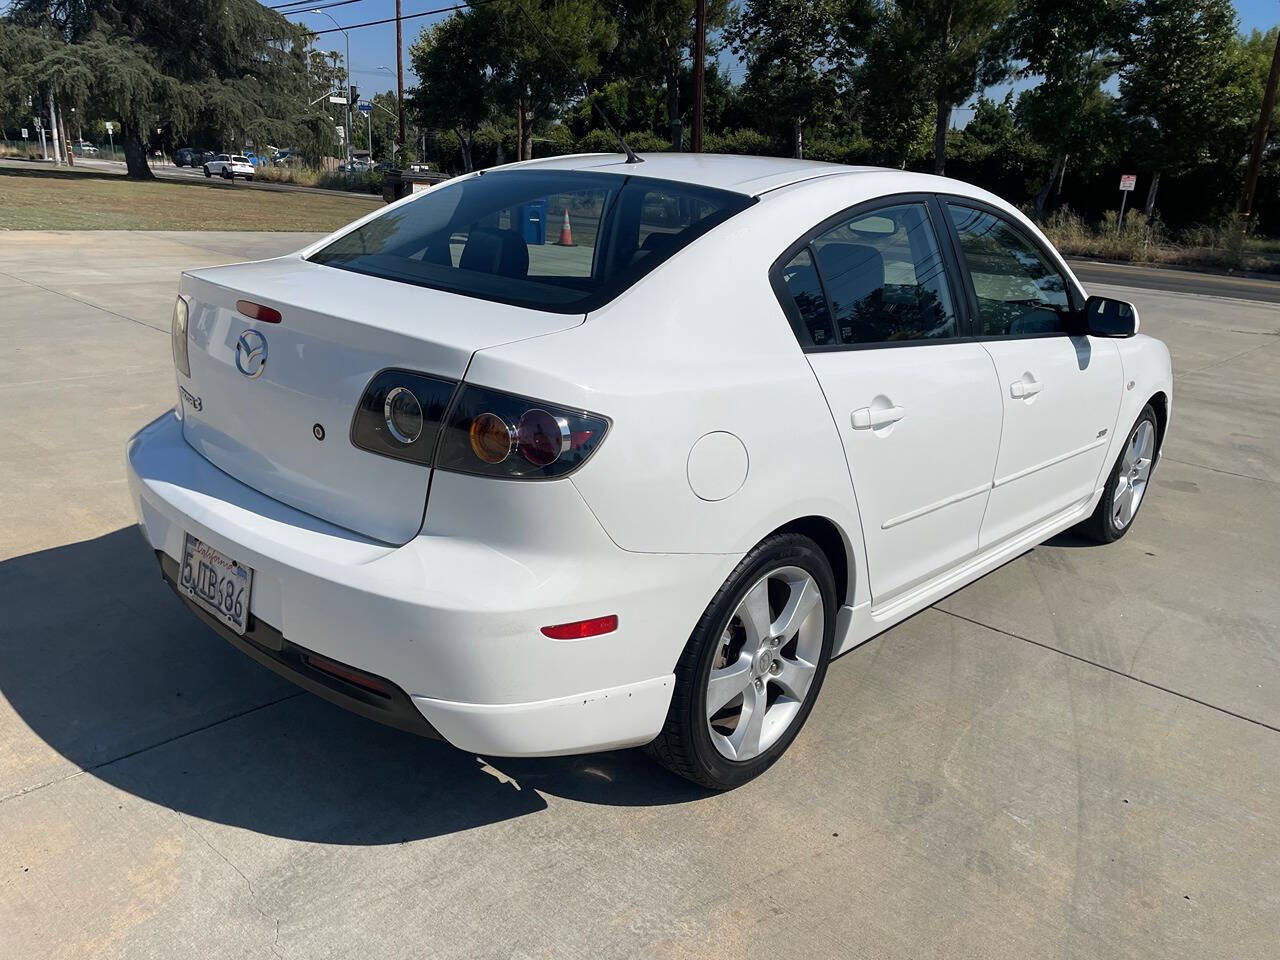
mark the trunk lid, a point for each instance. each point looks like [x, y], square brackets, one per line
[337, 330]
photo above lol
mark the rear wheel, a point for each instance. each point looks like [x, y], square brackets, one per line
[1127, 485]
[753, 667]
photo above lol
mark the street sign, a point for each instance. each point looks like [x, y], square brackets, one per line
[110, 127]
[336, 99]
[24, 133]
[1128, 181]
[364, 106]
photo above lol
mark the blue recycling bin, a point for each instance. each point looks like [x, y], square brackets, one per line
[533, 217]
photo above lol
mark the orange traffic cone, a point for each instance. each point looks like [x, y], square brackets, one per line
[566, 234]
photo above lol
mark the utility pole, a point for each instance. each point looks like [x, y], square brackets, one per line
[53, 129]
[400, 79]
[1259, 141]
[699, 69]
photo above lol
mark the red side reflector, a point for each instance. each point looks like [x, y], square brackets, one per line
[581, 629]
[348, 674]
[256, 311]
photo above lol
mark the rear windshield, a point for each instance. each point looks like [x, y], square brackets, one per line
[564, 241]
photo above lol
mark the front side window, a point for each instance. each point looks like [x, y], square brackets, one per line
[880, 279]
[1020, 293]
[565, 241]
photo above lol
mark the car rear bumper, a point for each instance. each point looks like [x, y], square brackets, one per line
[451, 620]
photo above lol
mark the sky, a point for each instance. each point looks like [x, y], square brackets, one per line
[373, 49]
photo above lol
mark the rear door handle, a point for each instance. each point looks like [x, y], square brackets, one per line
[866, 418]
[1021, 389]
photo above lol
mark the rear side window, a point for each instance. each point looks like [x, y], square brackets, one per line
[1020, 293]
[564, 241]
[805, 289]
[879, 278]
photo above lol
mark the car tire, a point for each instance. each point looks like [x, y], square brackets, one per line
[206, 172]
[698, 743]
[227, 174]
[1127, 485]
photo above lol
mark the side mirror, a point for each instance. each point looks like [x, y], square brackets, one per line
[1105, 317]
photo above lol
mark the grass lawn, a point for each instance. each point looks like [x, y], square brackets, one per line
[45, 199]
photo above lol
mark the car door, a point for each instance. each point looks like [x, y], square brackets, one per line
[874, 302]
[1060, 388]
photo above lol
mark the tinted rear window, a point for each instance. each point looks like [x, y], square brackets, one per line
[564, 241]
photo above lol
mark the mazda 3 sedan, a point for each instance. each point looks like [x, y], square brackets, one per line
[581, 454]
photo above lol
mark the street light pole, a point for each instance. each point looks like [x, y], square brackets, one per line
[346, 91]
[699, 70]
[397, 148]
[399, 78]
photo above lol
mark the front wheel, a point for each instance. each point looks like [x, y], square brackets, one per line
[1127, 484]
[753, 666]
[207, 173]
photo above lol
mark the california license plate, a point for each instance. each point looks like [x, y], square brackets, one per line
[216, 582]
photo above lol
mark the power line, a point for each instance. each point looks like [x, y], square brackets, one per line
[408, 16]
[306, 6]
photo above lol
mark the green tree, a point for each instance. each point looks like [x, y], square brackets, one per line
[454, 61]
[1069, 46]
[960, 48]
[229, 65]
[547, 49]
[883, 76]
[1178, 84]
[655, 45]
[787, 47]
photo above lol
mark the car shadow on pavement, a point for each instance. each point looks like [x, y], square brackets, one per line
[104, 665]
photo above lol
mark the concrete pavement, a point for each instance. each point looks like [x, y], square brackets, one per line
[1077, 756]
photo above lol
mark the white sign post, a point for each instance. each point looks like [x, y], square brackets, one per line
[110, 139]
[1127, 182]
[24, 133]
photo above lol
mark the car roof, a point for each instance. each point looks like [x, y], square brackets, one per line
[742, 174]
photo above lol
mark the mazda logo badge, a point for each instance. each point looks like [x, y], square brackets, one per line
[251, 354]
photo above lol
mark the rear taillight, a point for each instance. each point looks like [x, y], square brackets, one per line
[502, 435]
[434, 422]
[178, 334]
[400, 414]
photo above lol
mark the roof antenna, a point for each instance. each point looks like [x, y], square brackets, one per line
[632, 157]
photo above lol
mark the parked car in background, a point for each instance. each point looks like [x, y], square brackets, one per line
[229, 166]
[282, 158]
[82, 148]
[186, 157]
[783, 406]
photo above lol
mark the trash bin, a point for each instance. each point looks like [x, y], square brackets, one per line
[397, 184]
[533, 217]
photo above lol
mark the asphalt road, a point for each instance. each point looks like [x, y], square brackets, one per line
[1177, 280]
[169, 172]
[1077, 756]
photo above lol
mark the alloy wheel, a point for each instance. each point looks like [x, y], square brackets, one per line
[766, 663]
[1135, 471]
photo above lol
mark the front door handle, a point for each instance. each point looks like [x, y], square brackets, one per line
[867, 418]
[1022, 389]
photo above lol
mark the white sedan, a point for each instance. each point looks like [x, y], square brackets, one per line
[229, 166]
[581, 454]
